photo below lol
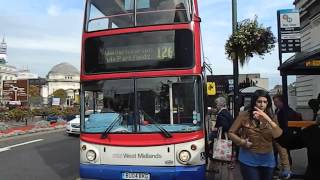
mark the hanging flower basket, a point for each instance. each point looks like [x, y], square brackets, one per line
[251, 38]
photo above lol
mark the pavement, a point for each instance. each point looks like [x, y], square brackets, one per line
[21, 127]
[221, 171]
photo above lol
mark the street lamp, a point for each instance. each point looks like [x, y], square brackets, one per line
[236, 107]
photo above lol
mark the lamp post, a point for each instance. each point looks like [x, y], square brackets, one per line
[235, 64]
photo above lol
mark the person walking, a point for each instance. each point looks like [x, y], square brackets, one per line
[255, 138]
[305, 139]
[284, 114]
[224, 118]
[224, 121]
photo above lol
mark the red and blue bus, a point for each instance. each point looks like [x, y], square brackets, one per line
[142, 87]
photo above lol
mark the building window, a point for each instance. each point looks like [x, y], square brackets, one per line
[68, 77]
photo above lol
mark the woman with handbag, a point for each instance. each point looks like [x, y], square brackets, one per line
[253, 131]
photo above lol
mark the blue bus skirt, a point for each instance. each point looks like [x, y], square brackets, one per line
[112, 172]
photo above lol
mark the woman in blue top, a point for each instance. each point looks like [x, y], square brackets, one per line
[253, 131]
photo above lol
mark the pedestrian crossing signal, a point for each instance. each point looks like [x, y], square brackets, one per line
[211, 88]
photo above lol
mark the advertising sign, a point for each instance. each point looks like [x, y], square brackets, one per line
[55, 101]
[15, 90]
[211, 88]
[289, 30]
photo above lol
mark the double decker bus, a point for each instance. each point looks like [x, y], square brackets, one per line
[142, 105]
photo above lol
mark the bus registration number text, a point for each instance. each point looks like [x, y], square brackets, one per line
[132, 175]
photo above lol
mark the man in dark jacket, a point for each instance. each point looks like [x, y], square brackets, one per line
[284, 114]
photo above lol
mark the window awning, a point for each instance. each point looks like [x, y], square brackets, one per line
[304, 63]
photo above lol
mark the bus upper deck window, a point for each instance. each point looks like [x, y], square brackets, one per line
[141, 4]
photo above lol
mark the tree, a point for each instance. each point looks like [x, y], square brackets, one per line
[60, 93]
[34, 91]
[249, 39]
[34, 96]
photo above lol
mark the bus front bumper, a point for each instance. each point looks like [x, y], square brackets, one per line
[112, 172]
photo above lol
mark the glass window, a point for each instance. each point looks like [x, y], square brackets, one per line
[111, 14]
[163, 12]
[145, 105]
[139, 51]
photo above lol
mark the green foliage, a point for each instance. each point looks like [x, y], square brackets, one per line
[19, 113]
[249, 39]
[70, 111]
[55, 110]
[34, 91]
[60, 93]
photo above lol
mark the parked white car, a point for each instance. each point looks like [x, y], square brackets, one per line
[73, 126]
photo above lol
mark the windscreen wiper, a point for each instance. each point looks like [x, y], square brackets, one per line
[156, 124]
[106, 132]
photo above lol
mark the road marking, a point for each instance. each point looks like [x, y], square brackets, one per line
[4, 149]
[21, 144]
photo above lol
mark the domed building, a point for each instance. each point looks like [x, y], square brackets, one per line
[63, 76]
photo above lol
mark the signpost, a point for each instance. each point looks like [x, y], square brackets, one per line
[15, 91]
[288, 39]
[289, 30]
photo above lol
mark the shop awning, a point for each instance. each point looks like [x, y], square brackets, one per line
[304, 63]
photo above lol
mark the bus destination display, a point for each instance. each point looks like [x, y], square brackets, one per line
[147, 52]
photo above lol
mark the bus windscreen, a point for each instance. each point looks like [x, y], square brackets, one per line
[155, 50]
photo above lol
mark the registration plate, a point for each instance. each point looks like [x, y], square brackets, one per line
[132, 175]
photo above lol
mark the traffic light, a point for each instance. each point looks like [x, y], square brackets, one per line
[211, 88]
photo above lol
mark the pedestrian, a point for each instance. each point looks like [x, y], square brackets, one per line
[224, 118]
[252, 131]
[224, 121]
[284, 114]
[307, 138]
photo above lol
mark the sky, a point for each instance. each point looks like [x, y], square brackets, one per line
[43, 33]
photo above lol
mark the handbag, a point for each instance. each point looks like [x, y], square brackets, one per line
[222, 148]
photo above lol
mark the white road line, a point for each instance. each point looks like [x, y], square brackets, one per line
[21, 144]
[4, 149]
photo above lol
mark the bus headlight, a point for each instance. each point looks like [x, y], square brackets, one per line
[184, 156]
[91, 155]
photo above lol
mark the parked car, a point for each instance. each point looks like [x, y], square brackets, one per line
[73, 126]
[53, 118]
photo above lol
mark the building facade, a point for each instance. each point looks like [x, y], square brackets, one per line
[62, 76]
[308, 86]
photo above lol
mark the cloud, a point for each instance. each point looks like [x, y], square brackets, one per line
[41, 34]
[53, 10]
[56, 31]
[62, 44]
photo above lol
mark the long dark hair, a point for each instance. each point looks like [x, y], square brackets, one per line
[255, 96]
